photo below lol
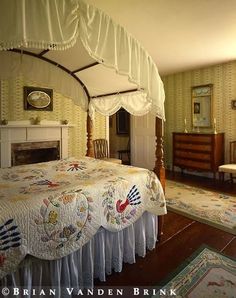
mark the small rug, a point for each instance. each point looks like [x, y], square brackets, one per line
[216, 209]
[207, 275]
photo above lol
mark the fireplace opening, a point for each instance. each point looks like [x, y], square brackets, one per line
[34, 152]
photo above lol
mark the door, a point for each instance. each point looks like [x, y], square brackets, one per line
[143, 141]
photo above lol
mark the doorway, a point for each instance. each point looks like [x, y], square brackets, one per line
[119, 136]
[143, 138]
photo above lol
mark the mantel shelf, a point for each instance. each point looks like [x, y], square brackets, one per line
[199, 133]
[36, 125]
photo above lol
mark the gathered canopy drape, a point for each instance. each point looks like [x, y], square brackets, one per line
[41, 24]
[44, 74]
[55, 25]
[135, 103]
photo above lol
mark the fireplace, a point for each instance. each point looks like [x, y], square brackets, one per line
[22, 142]
[34, 152]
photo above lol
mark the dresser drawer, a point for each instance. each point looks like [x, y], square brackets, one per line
[195, 147]
[193, 138]
[185, 163]
[200, 152]
[193, 155]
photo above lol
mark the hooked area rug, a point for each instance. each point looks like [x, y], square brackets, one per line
[216, 209]
[206, 274]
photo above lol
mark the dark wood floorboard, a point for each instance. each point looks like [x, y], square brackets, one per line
[230, 250]
[170, 254]
[173, 223]
[182, 236]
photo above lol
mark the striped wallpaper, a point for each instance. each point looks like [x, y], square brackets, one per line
[63, 108]
[178, 102]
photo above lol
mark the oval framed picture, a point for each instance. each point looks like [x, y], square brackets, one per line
[38, 98]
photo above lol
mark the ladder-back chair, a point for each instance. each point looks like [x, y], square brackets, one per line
[101, 151]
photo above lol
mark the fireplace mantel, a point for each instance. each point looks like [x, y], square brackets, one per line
[34, 125]
[24, 132]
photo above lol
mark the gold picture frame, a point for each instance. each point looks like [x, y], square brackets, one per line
[40, 99]
[202, 105]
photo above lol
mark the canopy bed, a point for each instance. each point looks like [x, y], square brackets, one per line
[108, 237]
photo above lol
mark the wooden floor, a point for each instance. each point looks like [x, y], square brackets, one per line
[182, 236]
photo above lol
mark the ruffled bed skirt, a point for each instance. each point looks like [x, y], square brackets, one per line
[105, 252]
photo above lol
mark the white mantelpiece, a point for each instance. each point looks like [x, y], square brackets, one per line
[20, 132]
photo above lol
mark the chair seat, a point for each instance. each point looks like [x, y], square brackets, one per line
[229, 168]
[114, 160]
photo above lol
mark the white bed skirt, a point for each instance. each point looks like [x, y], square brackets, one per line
[105, 252]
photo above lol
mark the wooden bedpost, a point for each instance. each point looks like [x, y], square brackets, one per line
[90, 151]
[159, 163]
[159, 168]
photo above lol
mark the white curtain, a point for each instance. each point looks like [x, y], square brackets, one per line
[110, 44]
[135, 103]
[39, 24]
[55, 25]
[44, 74]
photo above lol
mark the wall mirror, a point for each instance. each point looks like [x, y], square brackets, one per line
[202, 105]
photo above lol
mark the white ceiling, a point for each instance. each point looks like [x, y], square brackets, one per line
[179, 34]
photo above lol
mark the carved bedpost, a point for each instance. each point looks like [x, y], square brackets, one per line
[90, 151]
[159, 163]
[159, 167]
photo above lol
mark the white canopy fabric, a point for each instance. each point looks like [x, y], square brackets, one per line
[43, 24]
[44, 73]
[56, 25]
[135, 103]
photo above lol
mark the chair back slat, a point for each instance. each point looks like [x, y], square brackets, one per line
[100, 148]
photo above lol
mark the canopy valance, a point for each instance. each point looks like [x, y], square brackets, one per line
[135, 103]
[56, 25]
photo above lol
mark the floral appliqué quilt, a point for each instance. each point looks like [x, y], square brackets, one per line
[51, 209]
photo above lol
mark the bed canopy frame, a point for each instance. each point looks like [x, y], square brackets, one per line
[60, 25]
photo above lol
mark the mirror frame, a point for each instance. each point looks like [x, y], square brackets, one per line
[199, 92]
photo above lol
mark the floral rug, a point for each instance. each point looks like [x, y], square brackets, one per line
[207, 275]
[216, 209]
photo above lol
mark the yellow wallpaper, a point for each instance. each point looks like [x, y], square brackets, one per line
[178, 102]
[63, 108]
[99, 127]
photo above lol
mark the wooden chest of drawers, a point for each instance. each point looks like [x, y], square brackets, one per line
[196, 151]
